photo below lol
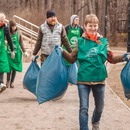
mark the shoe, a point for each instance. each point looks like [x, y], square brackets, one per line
[2, 87]
[7, 84]
[95, 126]
[11, 85]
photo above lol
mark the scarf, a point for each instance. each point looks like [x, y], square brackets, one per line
[2, 23]
[93, 38]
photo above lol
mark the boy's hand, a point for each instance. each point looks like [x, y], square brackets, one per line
[12, 54]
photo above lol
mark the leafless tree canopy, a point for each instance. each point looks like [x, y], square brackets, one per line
[35, 11]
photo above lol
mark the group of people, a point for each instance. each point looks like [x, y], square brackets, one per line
[86, 46]
[11, 48]
[90, 49]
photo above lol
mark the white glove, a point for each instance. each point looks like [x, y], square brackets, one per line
[126, 56]
[12, 54]
[33, 57]
[61, 49]
[26, 54]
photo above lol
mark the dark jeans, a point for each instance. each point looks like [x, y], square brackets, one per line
[98, 94]
[11, 76]
[1, 77]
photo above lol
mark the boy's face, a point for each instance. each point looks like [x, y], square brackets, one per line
[91, 28]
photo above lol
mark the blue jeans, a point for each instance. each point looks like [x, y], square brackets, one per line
[98, 94]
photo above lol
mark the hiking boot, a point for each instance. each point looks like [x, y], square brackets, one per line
[11, 85]
[7, 84]
[95, 126]
[2, 87]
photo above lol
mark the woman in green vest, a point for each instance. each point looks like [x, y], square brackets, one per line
[4, 64]
[16, 63]
[91, 51]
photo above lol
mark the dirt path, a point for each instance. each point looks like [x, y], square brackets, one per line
[20, 110]
[114, 77]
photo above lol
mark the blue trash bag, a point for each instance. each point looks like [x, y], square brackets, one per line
[72, 78]
[52, 78]
[60, 96]
[30, 77]
[125, 79]
[72, 73]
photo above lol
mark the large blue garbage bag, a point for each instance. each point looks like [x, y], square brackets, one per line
[72, 73]
[72, 78]
[52, 78]
[125, 79]
[30, 77]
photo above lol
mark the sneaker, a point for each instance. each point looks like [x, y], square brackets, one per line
[95, 126]
[2, 87]
[11, 85]
[7, 84]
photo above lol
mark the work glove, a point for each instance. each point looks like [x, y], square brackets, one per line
[126, 56]
[61, 49]
[12, 54]
[26, 54]
[33, 57]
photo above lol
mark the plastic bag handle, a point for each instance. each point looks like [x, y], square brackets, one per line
[36, 57]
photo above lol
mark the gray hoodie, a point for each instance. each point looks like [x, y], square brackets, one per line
[72, 18]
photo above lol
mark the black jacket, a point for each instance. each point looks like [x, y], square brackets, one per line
[7, 36]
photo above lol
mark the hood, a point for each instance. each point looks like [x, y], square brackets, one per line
[72, 18]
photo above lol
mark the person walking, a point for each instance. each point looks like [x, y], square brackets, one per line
[51, 33]
[92, 51]
[4, 64]
[16, 63]
[74, 30]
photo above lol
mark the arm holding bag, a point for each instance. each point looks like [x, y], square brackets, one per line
[125, 79]
[53, 78]
[30, 77]
[72, 71]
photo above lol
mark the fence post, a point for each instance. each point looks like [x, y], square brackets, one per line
[105, 21]
[128, 42]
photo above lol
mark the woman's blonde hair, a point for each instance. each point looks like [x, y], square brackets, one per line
[91, 18]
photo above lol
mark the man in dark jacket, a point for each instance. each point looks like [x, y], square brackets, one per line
[51, 33]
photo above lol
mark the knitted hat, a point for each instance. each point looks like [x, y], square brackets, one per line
[12, 23]
[50, 13]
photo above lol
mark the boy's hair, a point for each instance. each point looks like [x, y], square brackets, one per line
[91, 18]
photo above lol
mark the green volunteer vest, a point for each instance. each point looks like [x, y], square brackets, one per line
[91, 58]
[73, 35]
[4, 64]
[16, 63]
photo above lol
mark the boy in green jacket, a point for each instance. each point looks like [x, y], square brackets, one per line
[92, 51]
